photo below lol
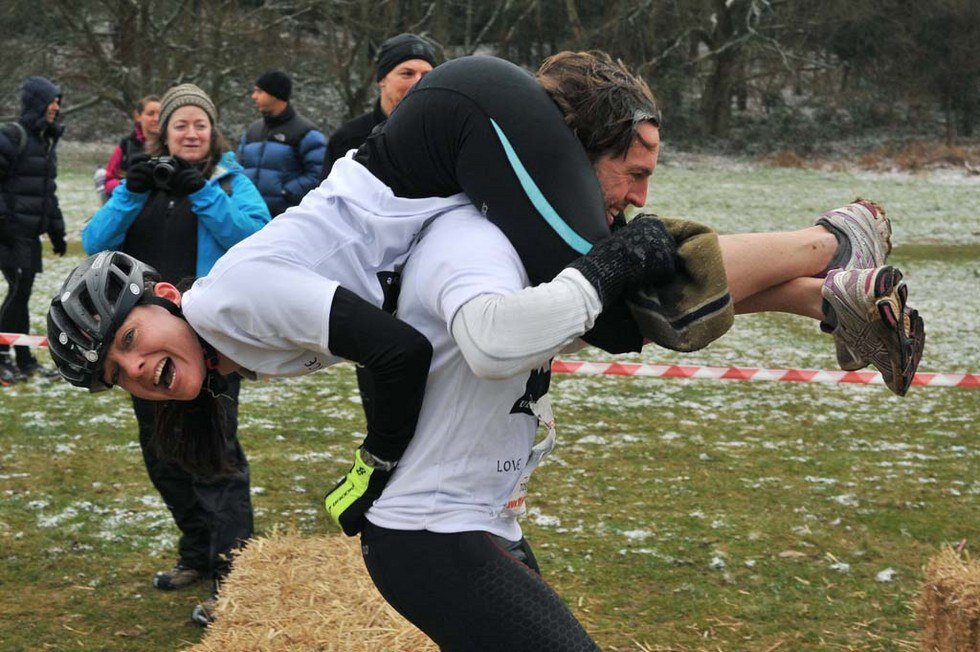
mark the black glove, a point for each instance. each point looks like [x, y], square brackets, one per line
[353, 496]
[187, 179]
[58, 243]
[641, 253]
[139, 175]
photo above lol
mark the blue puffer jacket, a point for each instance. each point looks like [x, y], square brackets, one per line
[222, 221]
[282, 155]
[28, 203]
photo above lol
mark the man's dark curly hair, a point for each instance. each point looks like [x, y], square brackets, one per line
[603, 102]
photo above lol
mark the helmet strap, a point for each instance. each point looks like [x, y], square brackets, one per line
[166, 304]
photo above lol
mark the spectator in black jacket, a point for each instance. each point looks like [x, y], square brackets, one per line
[402, 61]
[283, 151]
[28, 208]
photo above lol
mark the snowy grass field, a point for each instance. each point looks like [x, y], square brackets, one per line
[674, 515]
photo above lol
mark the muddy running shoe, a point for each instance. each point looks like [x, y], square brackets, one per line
[863, 235]
[204, 613]
[177, 578]
[9, 374]
[866, 310]
[849, 361]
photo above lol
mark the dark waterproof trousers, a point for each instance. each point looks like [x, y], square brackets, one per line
[214, 516]
[14, 314]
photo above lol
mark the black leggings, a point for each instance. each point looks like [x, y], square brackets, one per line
[395, 358]
[471, 591]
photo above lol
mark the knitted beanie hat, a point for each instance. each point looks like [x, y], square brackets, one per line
[276, 83]
[403, 48]
[185, 95]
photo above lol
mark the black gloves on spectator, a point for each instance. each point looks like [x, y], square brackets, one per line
[58, 243]
[139, 175]
[184, 180]
[187, 179]
[641, 253]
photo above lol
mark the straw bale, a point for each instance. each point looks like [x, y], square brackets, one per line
[948, 609]
[288, 592]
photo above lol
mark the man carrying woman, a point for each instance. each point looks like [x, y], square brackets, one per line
[477, 138]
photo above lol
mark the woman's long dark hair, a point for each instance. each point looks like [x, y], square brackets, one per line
[194, 434]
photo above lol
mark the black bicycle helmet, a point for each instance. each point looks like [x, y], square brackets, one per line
[85, 314]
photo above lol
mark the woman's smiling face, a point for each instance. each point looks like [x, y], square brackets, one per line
[189, 134]
[156, 355]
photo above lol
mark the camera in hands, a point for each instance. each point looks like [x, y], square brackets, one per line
[164, 168]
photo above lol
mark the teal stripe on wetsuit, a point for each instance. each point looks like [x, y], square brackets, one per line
[544, 208]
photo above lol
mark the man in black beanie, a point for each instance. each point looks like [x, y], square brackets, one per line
[282, 152]
[402, 61]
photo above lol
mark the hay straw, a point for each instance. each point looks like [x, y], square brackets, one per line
[288, 592]
[948, 609]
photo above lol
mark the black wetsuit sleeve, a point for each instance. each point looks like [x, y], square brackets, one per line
[397, 357]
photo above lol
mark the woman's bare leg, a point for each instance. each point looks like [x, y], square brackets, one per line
[868, 312]
[755, 262]
[774, 271]
[800, 296]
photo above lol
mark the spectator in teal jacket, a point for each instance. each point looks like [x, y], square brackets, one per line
[225, 207]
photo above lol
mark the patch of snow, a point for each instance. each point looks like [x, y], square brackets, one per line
[887, 575]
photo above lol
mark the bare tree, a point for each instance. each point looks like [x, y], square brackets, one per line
[706, 59]
[120, 50]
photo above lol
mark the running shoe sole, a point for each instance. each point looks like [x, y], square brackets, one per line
[902, 333]
[892, 336]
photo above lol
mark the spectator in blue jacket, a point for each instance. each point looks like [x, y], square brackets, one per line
[180, 215]
[283, 151]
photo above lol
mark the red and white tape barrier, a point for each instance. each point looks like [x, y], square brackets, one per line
[19, 339]
[752, 373]
[699, 372]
